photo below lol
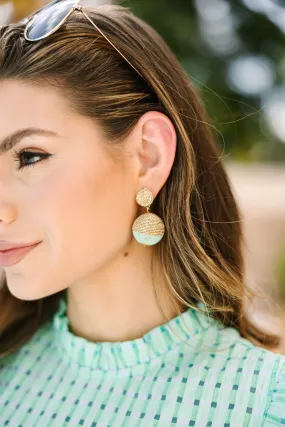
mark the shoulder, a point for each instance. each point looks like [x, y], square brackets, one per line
[275, 408]
[248, 379]
[267, 373]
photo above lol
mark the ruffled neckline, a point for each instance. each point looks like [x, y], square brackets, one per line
[122, 354]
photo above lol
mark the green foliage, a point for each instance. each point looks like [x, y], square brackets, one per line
[237, 115]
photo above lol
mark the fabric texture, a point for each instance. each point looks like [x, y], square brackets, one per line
[190, 371]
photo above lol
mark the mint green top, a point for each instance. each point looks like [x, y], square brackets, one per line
[169, 377]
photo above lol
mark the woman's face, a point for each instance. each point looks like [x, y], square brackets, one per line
[79, 202]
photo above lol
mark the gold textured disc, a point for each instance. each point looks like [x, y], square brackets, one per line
[144, 197]
[150, 224]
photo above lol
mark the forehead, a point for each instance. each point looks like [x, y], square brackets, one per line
[27, 105]
[22, 104]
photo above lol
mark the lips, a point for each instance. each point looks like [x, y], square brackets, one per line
[6, 245]
[13, 256]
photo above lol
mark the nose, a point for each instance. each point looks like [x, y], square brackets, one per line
[7, 208]
[7, 213]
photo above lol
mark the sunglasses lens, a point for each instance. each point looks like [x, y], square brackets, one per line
[48, 18]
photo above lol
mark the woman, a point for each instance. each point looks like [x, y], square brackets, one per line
[126, 305]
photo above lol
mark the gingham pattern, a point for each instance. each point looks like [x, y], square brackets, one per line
[169, 377]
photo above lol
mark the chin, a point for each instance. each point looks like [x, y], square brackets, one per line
[24, 291]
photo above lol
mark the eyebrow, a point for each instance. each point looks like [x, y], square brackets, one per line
[14, 138]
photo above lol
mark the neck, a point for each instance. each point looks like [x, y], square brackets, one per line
[117, 303]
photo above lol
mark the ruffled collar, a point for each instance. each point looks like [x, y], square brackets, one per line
[122, 354]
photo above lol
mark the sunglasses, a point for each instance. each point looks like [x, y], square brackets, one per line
[51, 17]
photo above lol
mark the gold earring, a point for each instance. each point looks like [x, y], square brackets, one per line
[148, 229]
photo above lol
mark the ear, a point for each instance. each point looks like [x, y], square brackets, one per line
[155, 147]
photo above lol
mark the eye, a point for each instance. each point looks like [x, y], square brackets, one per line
[23, 158]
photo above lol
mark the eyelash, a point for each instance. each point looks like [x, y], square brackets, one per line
[18, 155]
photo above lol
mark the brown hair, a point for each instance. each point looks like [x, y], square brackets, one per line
[200, 255]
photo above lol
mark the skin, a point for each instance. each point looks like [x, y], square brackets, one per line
[80, 203]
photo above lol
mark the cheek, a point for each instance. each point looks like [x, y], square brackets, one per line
[87, 215]
[84, 220]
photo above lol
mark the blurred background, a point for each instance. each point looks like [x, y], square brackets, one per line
[234, 53]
